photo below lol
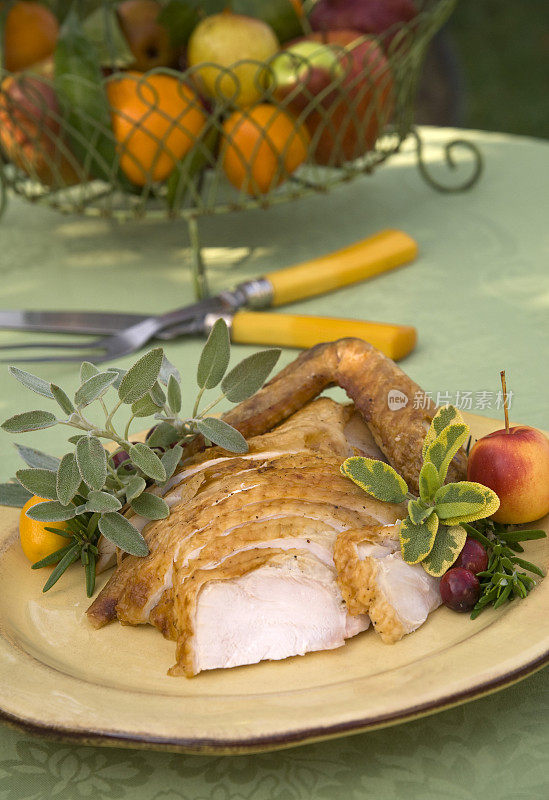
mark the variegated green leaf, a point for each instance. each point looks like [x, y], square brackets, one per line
[375, 478]
[442, 450]
[465, 501]
[416, 541]
[448, 545]
[419, 511]
[429, 482]
[446, 415]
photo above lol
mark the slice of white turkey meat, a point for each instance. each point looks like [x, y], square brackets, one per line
[274, 612]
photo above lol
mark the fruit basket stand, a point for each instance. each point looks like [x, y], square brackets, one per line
[122, 144]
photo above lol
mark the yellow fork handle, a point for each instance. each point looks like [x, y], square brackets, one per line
[294, 330]
[380, 253]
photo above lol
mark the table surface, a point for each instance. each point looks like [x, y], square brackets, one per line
[479, 296]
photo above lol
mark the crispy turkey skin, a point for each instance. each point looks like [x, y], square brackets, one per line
[274, 553]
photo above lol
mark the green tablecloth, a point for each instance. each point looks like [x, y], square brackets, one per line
[479, 296]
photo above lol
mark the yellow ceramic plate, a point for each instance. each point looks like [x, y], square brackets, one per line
[61, 677]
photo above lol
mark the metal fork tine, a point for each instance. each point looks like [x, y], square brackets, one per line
[52, 345]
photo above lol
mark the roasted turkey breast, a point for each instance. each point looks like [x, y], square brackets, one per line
[274, 553]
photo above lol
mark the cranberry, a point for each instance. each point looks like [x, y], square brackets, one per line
[119, 458]
[473, 557]
[459, 589]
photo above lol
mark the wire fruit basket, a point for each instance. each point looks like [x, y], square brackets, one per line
[211, 139]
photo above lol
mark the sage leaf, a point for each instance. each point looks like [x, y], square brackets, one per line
[375, 478]
[171, 459]
[92, 462]
[442, 449]
[163, 435]
[102, 502]
[416, 541]
[61, 398]
[446, 415]
[166, 370]
[144, 407]
[14, 495]
[93, 388]
[147, 461]
[118, 530]
[69, 558]
[174, 395]
[29, 421]
[215, 355]
[135, 486]
[32, 382]
[51, 511]
[68, 479]
[157, 395]
[140, 378]
[249, 376]
[150, 506]
[40, 482]
[87, 369]
[429, 482]
[36, 458]
[119, 374]
[222, 434]
[448, 545]
[465, 501]
[418, 511]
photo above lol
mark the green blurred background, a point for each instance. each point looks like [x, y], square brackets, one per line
[490, 68]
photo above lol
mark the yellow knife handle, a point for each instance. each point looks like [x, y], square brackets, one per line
[380, 253]
[294, 330]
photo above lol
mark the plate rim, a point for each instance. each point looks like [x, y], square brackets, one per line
[220, 745]
[303, 736]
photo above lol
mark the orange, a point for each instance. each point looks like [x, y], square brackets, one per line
[156, 120]
[30, 35]
[36, 541]
[261, 147]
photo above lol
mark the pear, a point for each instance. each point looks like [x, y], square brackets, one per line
[228, 52]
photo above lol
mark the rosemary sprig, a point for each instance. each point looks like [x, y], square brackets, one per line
[506, 575]
[90, 489]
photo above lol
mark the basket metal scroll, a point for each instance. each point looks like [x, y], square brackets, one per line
[193, 155]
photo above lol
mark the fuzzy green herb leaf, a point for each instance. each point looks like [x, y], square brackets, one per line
[429, 482]
[87, 369]
[118, 530]
[93, 388]
[63, 401]
[375, 478]
[214, 358]
[68, 479]
[92, 462]
[442, 449]
[418, 511]
[222, 434]
[147, 461]
[29, 421]
[171, 458]
[464, 501]
[174, 395]
[140, 378]
[51, 511]
[135, 486]
[38, 481]
[32, 382]
[447, 546]
[102, 502]
[163, 435]
[416, 541]
[144, 407]
[249, 376]
[72, 555]
[36, 458]
[14, 495]
[150, 506]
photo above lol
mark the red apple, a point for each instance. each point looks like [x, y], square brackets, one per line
[345, 105]
[366, 16]
[515, 465]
